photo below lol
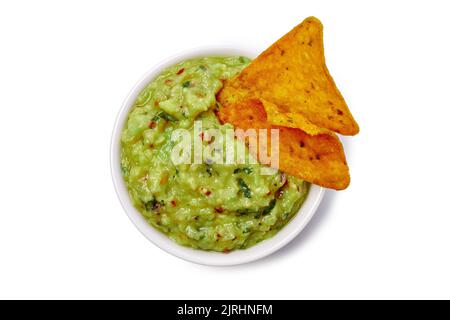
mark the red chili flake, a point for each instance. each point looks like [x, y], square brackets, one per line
[279, 193]
[152, 125]
[202, 135]
[219, 210]
[174, 203]
[168, 81]
[226, 250]
[208, 193]
[180, 71]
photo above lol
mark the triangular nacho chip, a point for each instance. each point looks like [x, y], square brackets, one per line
[318, 159]
[290, 120]
[293, 82]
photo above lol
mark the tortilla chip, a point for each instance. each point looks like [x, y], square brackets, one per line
[293, 82]
[318, 159]
[291, 120]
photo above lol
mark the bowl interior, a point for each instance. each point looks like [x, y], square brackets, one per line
[284, 236]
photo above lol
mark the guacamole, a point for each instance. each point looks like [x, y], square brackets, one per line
[208, 206]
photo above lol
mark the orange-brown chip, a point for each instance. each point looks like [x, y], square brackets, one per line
[293, 82]
[318, 159]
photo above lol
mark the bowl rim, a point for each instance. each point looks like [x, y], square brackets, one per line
[256, 252]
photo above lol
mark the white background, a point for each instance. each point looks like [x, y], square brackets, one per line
[65, 68]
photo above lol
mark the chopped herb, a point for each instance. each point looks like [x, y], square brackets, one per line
[242, 60]
[244, 188]
[244, 211]
[125, 170]
[269, 208]
[186, 84]
[209, 170]
[165, 116]
[246, 170]
[156, 118]
[202, 67]
[149, 205]
[168, 117]
[153, 205]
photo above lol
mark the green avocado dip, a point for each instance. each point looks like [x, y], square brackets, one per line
[217, 207]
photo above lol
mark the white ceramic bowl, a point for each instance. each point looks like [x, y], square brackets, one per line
[283, 237]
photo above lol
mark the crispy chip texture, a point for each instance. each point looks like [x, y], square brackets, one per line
[293, 83]
[317, 158]
[291, 120]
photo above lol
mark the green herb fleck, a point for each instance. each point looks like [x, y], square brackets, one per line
[244, 188]
[153, 205]
[125, 169]
[242, 212]
[246, 170]
[209, 170]
[245, 211]
[269, 208]
[186, 84]
[149, 205]
[165, 116]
